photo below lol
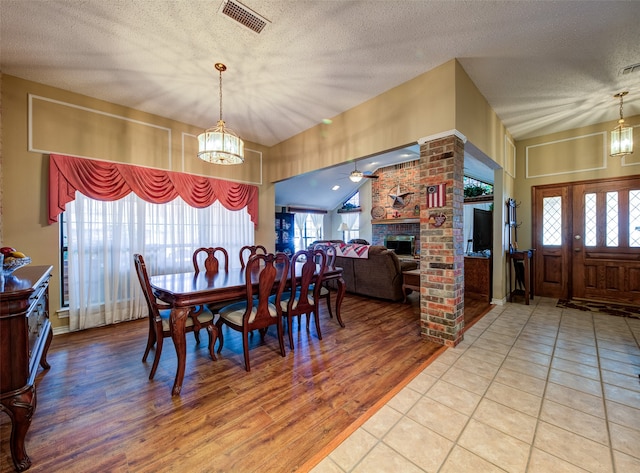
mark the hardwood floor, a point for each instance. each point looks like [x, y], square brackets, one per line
[97, 410]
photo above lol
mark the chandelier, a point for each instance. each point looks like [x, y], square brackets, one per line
[621, 136]
[220, 145]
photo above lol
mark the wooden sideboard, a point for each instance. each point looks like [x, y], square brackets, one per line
[477, 278]
[25, 336]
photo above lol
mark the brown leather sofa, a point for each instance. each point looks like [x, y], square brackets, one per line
[378, 276]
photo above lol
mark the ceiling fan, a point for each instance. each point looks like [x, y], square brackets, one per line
[356, 176]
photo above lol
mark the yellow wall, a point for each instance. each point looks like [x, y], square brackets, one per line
[574, 155]
[400, 116]
[64, 122]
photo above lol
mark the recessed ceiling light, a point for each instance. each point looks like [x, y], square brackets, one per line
[335, 188]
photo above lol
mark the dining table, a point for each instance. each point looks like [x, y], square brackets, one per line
[183, 291]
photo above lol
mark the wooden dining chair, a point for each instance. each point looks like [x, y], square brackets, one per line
[159, 328]
[330, 252]
[257, 311]
[211, 263]
[248, 251]
[304, 293]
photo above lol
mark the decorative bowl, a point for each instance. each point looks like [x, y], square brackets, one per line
[10, 266]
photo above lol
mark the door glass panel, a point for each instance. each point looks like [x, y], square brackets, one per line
[612, 219]
[590, 220]
[552, 220]
[634, 218]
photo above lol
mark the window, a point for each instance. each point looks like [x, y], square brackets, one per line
[308, 228]
[552, 221]
[101, 238]
[612, 219]
[353, 201]
[475, 188]
[350, 214]
[590, 220]
[634, 218]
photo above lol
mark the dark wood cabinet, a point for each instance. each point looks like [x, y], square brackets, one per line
[477, 278]
[25, 336]
[285, 233]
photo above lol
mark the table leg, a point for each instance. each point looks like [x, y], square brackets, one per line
[178, 319]
[47, 344]
[342, 289]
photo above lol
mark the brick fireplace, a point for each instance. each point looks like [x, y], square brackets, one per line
[382, 230]
[401, 217]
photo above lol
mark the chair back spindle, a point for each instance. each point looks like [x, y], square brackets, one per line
[248, 251]
[211, 263]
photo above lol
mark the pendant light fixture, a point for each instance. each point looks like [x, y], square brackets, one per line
[219, 144]
[621, 136]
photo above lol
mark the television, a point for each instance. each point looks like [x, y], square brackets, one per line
[482, 230]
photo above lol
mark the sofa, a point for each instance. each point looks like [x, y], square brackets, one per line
[379, 275]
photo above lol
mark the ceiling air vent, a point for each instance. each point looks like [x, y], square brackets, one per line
[630, 69]
[243, 15]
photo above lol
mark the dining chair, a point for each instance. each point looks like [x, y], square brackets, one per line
[159, 327]
[257, 311]
[211, 263]
[307, 268]
[325, 292]
[252, 250]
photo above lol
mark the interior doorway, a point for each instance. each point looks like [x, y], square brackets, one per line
[587, 240]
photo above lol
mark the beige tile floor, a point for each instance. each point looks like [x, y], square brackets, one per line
[530, 389]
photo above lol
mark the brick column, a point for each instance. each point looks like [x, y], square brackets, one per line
[441, 247]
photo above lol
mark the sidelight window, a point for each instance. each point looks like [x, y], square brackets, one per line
[612, 219]
[634, 218]
[590, 220]
[552, 220]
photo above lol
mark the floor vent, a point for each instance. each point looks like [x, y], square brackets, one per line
[243, 15]
[630, 69]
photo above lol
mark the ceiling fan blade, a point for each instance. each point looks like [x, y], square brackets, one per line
[370, 176]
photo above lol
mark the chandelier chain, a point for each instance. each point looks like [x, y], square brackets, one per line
[220, 93]
[621, 116]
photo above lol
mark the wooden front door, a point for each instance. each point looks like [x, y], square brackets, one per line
[606, 241]
[551, 230]
[587, 237]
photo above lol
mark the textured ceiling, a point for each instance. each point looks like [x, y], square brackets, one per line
[543, 66]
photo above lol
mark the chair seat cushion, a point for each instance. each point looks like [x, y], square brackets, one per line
[323, 290]
[235, 312]
[284, 301]
[203, 317]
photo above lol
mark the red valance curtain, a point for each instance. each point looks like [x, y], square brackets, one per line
[102, 180]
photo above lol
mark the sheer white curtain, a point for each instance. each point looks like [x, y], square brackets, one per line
[352, 219]
[103, 236]
[300, 219]
[317, 220]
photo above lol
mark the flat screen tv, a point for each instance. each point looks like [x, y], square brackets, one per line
[482, 230]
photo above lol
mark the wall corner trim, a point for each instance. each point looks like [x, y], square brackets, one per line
[442, 134]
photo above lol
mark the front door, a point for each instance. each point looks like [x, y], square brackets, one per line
[587, 237]
[606, 241]
[552, 231]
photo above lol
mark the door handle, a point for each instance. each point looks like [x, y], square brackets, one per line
[578, 249]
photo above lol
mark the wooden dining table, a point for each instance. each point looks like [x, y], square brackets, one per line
[182, 291]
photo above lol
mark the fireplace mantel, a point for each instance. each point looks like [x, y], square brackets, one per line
[392, 221]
